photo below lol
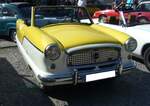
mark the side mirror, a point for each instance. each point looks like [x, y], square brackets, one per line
[6, 13]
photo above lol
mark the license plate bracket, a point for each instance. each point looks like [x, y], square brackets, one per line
[99, 76]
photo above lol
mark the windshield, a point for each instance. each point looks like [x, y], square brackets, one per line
[53, 15]
[25, 11]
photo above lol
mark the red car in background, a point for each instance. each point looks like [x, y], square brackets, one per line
[141, 13]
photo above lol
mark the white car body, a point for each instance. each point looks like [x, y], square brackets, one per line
[140, 32]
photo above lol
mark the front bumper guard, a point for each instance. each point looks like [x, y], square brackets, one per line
[79, 76]
[74, 78]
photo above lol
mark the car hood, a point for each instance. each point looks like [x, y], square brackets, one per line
[76, 35]
[145, 27]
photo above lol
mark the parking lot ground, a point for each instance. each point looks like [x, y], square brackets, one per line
[18, 86]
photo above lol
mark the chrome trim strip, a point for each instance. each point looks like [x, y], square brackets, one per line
[92, 46]
[129, 68]
[25, 38]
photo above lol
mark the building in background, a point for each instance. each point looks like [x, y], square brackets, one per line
[58, 2]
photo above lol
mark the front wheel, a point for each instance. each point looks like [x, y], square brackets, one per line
[147, 58]
[12, 35]
[142, 20]
[102, 19]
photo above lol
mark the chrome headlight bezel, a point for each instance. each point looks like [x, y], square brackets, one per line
[52, 52]
[130, 44]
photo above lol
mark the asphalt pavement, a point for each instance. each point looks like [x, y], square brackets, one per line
[18, 86]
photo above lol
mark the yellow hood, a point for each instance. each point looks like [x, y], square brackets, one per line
[76, 35]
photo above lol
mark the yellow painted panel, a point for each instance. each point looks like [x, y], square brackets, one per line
[74, 35]
[120, 36]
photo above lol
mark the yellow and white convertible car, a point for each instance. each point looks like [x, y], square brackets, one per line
[61, 48]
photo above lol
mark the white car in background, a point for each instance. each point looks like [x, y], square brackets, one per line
[141, 32]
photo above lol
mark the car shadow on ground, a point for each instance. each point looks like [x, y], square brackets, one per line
[16, 90]
[2, 37]
[129, 90]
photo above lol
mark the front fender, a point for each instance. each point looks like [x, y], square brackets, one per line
[39, 38]
[35, 35]
[120, 36]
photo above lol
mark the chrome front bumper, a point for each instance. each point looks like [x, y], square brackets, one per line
[80, 76]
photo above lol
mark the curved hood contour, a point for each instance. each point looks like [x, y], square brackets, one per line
[75, 35]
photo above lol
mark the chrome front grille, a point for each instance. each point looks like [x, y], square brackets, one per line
[93, 56]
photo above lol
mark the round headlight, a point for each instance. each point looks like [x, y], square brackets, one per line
[52, 52]
[130, 44]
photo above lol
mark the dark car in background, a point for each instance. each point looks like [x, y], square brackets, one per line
[9, 13]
